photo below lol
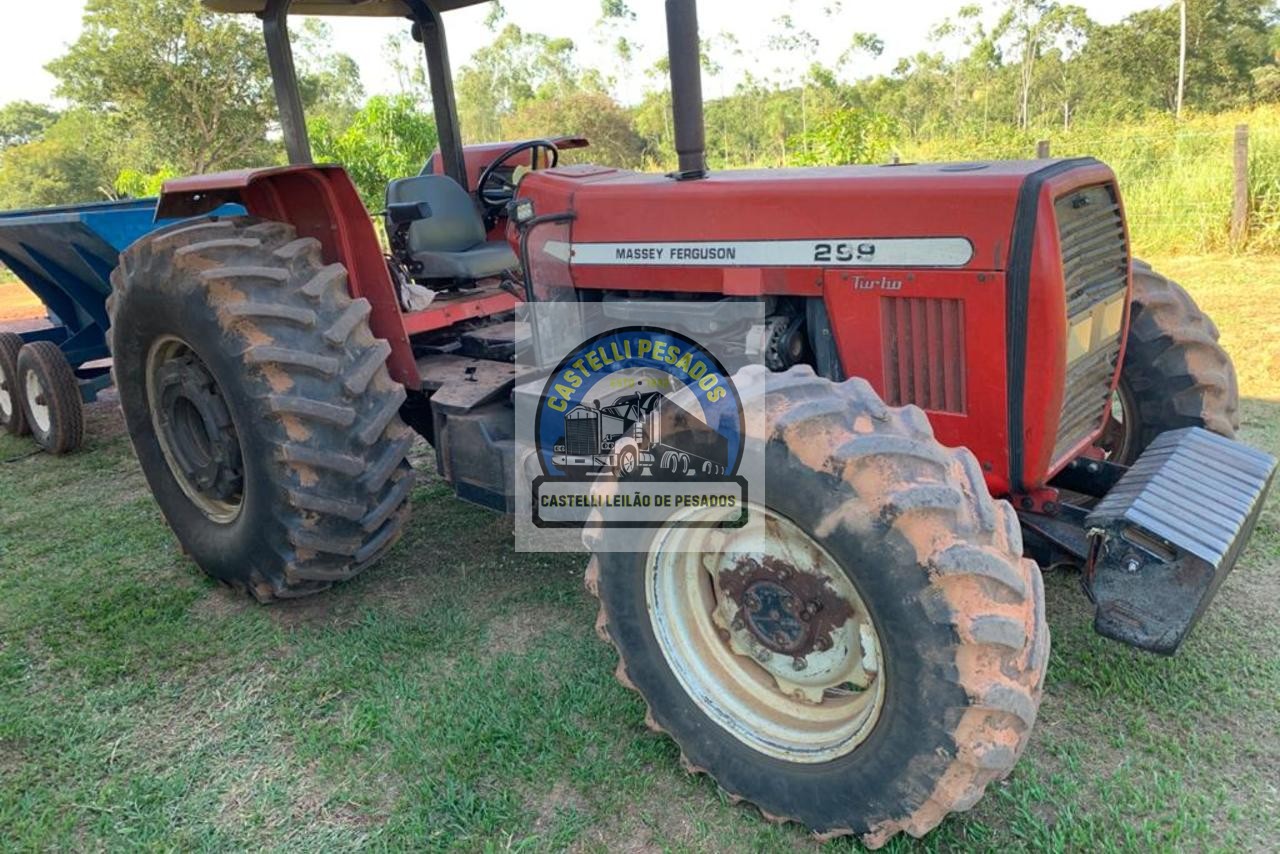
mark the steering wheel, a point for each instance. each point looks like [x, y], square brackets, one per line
[494, 190]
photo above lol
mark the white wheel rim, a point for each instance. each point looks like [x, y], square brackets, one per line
[39, 411]
[6, 400]
[813, 716]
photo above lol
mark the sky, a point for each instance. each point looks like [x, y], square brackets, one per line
[35, 33]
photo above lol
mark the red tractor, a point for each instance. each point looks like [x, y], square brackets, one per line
[967, 368]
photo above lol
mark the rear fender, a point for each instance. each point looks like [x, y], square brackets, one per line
[319, 202]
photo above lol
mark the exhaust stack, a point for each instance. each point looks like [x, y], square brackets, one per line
[684, 55]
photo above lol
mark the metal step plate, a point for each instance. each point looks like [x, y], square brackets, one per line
[1172, 528]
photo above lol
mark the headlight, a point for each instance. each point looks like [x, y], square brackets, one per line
[559, 449]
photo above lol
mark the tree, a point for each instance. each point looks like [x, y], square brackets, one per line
[66, 165]
[595, 115]
[22, 122]
[192, 88]
[517, 67]
[389, 137]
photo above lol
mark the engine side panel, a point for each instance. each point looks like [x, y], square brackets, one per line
[944, 282]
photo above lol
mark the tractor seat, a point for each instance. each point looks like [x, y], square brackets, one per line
[450, 244]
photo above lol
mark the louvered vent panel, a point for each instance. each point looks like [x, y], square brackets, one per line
[1095, 269]
[924, 352]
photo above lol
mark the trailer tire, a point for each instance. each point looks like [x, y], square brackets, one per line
[1175, 372]
[259, 405]
[937, 565]
[12, 418]
[51, 401]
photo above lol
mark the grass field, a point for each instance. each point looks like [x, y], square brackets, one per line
[456, 696]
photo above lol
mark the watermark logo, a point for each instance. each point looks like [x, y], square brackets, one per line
[633, 426]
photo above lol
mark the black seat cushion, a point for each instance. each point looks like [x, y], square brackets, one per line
[451, 243]
[478, 262]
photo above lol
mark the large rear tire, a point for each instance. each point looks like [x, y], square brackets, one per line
[1175, 373]
[259, 405]
[935, 643]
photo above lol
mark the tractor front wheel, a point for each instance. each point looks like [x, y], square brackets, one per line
[259, 405]
[1175, 372]
[868, 658]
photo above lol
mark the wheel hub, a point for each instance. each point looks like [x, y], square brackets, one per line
[195, 430]
[768, 635]
[793, 624]
[37, 404]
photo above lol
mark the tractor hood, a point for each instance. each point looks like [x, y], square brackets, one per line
[937, 215]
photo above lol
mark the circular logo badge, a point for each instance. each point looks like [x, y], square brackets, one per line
[639, 402]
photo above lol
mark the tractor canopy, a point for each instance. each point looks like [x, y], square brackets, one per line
[428, 29]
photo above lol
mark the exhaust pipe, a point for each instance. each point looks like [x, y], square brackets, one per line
[684, 55]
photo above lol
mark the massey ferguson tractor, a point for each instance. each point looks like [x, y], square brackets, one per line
[967, 370]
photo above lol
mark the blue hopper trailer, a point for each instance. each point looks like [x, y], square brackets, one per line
[65, 255]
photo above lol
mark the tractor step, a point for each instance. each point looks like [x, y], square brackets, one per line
[1165, 537]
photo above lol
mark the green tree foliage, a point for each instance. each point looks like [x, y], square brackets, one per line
[595, 115]
[517, 67]
[64, 165]
[186, 87]
[389, 137]
[848, 135]
[22, 122]
[1229, 46]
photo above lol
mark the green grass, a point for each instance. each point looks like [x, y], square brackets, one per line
[1176, 177]
[456, 697]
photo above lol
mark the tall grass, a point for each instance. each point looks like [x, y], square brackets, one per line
[1176, 177]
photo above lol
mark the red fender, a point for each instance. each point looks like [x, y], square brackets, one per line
[320, 202]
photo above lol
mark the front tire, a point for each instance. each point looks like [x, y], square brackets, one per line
[259, 405]
[934, 691]
[1175, 372]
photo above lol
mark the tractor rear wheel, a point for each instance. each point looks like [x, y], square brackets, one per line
[259, 405]
[913, 671]
[1175, 373]
[12, 419]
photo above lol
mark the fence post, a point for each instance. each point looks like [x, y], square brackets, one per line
[1240, 194]
[1042, 149]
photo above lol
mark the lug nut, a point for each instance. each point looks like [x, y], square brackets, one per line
[798, 663]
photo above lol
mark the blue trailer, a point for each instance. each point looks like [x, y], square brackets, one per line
[65, 255]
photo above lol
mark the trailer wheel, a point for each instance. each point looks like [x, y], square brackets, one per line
[51, 399]
[910, 670]
[12, 418]
[1175, 373]
[259, 405]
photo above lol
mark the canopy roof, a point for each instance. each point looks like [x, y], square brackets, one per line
[366, 8]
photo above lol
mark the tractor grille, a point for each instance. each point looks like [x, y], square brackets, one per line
[1095, 269]
[923, 352]
[580, 436]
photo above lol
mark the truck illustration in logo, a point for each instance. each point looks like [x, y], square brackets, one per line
[640, 433]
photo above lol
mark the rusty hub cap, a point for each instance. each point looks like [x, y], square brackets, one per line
[768, 635]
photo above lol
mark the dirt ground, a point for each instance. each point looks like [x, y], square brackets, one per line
[17, 303]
